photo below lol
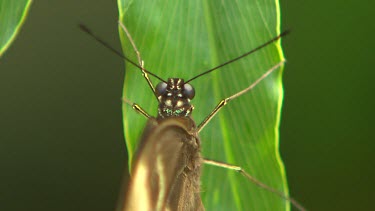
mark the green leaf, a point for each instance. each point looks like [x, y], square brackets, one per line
[185, 38]
[12, 16]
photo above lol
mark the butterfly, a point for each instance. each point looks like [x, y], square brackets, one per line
[167, 165]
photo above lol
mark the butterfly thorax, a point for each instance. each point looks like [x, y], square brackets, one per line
[174, 98]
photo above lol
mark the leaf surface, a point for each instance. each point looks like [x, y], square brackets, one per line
[185, 38]
[12, 15]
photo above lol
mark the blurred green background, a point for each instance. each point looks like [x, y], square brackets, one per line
[61, 142]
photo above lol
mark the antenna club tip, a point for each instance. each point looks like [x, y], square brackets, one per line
[284, 33]
[84, 28]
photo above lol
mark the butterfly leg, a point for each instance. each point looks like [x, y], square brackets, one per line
[226, 100]
[137, 108]
[140, 61]
[254, 180]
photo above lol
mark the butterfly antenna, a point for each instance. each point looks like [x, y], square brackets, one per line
[105, 44]
[243, 55]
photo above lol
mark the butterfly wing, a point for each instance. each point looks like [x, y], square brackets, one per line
[166, 169]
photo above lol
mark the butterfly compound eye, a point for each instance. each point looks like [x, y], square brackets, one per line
[189, 91]
[161, 88]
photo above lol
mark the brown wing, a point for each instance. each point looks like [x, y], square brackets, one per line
[166, 168]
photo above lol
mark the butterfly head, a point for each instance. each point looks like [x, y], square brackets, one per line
[174, 98]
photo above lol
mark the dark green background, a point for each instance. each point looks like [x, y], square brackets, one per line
[61, 142]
